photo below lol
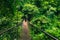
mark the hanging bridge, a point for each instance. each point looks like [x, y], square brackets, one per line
[23, 38]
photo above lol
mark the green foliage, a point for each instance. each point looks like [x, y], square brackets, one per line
[44, 14]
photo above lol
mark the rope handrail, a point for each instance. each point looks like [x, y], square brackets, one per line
[33, 26]
[10, 28]
[45, 32]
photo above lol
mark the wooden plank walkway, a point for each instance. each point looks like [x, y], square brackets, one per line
[25, 31]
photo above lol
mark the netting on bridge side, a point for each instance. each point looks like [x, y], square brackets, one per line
[9, 30]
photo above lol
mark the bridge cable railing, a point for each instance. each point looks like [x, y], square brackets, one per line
[18, 24]
[47, 34]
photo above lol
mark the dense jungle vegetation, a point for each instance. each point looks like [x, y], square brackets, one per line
[44, 14]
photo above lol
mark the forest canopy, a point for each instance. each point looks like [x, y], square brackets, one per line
[44, 14]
